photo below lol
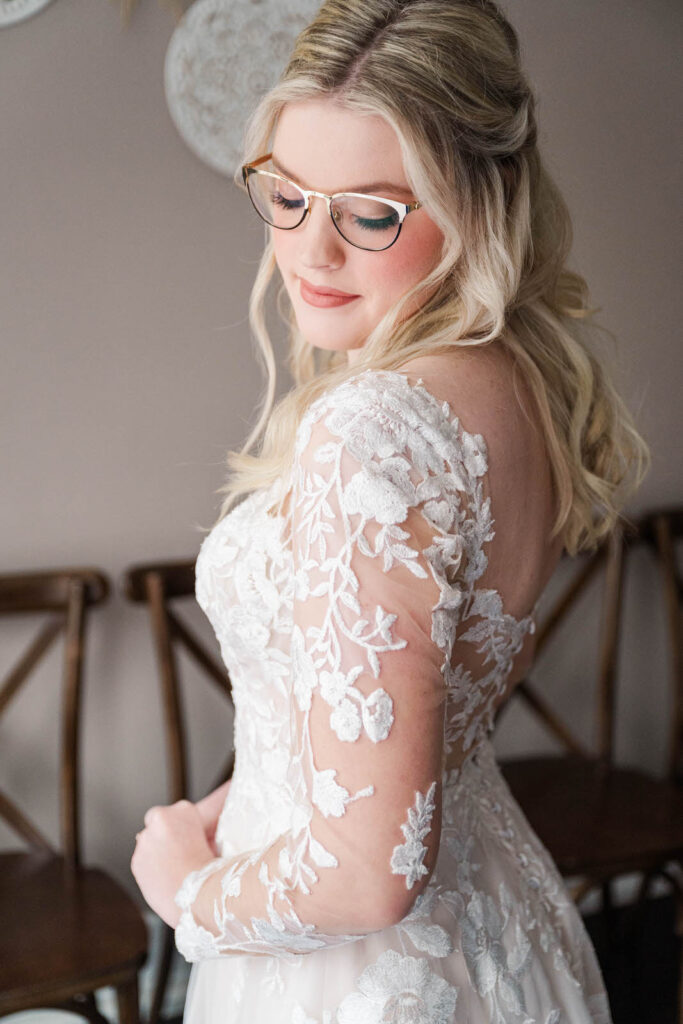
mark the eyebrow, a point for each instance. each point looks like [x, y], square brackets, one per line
[382, 186]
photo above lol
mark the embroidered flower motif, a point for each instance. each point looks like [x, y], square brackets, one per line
[399, 990]
[328, 796]
[248, 637]
[474, 451]
[426, 936]
[378, 715]
[445, 553]
[374, 430]
[345, 721]
[374, 497]
[337, 690]
[303, 670]
[333, 687]
[495, 969]
[440, 513]
[407, 859]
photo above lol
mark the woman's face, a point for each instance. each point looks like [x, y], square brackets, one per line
[324, 146]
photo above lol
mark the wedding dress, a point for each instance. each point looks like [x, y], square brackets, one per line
[373, 865]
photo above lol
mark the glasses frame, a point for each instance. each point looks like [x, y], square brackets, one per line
[402, 209]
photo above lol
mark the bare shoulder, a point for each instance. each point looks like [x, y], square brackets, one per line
[482, 387]
[492, 397]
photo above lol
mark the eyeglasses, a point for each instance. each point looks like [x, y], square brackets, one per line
[368, 222]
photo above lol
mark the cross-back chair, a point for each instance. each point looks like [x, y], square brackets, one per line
[67, 930]
[597, 818]
[162, 586]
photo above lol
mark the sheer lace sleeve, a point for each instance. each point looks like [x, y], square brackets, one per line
[377, 551]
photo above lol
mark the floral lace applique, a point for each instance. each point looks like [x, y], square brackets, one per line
[399, 989]
[408, 857]
[418, 926]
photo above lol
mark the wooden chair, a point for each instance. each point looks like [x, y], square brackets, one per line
[158, 585]
[67, 929]
[598, 819]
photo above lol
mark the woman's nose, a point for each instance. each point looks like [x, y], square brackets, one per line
[320, 244]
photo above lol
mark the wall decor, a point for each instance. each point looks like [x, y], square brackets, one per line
[222, 57]
[13, 11]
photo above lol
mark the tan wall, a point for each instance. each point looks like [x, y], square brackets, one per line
[127, 369]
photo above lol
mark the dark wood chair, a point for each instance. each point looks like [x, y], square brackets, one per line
[599, 819]
[67, 930]
[158, 586]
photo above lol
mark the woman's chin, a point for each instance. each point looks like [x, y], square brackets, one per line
[331, 341]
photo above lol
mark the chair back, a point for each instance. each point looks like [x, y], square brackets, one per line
[160, 585]
[662, 529]
[64, 596]
[606, 561]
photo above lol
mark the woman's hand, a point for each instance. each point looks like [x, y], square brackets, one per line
[172, 843]
[209, 809]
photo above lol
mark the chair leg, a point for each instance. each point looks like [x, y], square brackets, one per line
[678, 897]
[608, 913]
[673, 877]
[127, 1000]
[162, 975]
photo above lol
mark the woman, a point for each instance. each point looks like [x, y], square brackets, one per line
[449, 435]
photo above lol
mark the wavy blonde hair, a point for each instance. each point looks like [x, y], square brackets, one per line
[446, 75]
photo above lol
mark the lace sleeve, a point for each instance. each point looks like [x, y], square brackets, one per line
[371, 567]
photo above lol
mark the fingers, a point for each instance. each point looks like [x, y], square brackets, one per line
[151, 815]
[156, 816]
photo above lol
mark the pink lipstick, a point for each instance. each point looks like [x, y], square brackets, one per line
[324, 298]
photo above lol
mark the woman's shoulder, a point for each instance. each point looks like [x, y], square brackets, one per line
[374, 405]
[391, 424]
[438, 402]
[480, 384]
[491, 396]
[494, 401]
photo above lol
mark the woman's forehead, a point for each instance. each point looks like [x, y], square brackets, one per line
[329, 147]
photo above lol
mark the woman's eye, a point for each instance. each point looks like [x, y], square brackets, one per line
[287, 204]
[377, 223]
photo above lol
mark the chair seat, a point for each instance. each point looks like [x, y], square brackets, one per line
[594, 820]
[63, 933]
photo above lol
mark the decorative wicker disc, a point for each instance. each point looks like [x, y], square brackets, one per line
[223, 56]
[12, 11]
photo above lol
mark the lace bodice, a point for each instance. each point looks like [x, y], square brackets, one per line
[366, 661]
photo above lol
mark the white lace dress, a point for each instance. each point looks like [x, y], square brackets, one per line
[373, 865]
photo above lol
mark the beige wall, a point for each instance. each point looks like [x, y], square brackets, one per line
[127, 369]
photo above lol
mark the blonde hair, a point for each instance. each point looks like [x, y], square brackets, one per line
[446, 75]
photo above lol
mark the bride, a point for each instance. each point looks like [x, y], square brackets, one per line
[450, 433]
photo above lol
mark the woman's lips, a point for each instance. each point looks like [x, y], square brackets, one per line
[324, 297]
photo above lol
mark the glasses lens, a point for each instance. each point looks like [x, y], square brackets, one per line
[277, 200]
[367, 223]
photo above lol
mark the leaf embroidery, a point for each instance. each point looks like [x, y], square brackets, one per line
[408, 857]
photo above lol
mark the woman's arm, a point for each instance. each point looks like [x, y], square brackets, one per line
[209, 808]
[368, 700]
